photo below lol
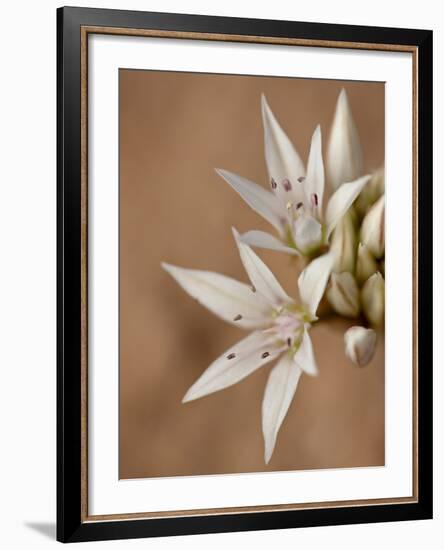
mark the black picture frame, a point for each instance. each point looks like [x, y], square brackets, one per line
[71, 523]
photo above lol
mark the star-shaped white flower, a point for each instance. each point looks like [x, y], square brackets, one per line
[279, 330]
[294, 205]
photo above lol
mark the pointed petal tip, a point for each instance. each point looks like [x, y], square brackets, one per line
[186, 397]
[343, 95]
[236, 234]
[269, 450]
[191, 395]
[316, 138]
[167, 267]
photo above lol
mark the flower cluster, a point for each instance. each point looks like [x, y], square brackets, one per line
[341, 243]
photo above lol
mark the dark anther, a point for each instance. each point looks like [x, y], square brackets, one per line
[287, 184]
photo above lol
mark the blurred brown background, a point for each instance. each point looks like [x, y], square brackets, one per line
[175, 128]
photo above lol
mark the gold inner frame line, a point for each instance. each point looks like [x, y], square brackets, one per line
[85, 32]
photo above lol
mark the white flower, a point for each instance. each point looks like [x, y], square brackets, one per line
[344, 153]
[279, 324]
[294, 206]
[360, 345]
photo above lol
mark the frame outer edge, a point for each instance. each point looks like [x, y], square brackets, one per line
[70, 527]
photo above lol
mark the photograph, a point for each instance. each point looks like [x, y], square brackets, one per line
[204, 343]
[234, 351]
[251, 274]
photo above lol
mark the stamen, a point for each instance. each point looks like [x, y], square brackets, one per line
[231, 356]
[265, 355]
[286, 184]
[273, 183]
[289, 342]
[301, 179]
[289, 205]
[253, 288]
[238, 317]
[299, 205]
[314, 199]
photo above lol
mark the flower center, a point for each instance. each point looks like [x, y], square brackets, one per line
[287, 328]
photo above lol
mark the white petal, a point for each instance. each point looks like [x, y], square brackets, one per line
[314, 183]
[313, 280]
[304, 357]
[261, 276]
[235, 364]
[225, 297]
[341, 200]
[260, 200]
[279, 392]
[265, 240]
[307, 233]
[344, 153]
[283, 161]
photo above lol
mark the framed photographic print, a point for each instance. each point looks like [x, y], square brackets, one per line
[244, 274]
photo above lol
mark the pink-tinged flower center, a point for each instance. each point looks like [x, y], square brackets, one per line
[287, 328]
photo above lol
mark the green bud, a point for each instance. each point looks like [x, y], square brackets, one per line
[373, 299]
[343, 244]
[343, 294]
[366, 264]
[373, 228]
[371, 192]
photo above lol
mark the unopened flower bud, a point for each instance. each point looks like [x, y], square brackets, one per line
[344, 153]
[343, 244]
[343, 294]
[365, 264]
[371, 192]
[360, 345]
[373, 299]
[373, 228]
